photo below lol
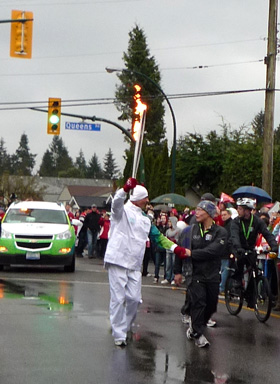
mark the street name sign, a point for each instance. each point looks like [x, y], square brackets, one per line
[82, 126]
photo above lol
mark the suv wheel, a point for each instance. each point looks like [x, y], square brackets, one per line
[71, 267]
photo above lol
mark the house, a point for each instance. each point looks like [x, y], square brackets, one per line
[81, 196]
[54, 187]
[80, 192]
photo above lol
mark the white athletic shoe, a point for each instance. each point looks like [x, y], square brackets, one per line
[211, 323]
[120, 343]
[202, 342]
[185, 319]
[189, 334]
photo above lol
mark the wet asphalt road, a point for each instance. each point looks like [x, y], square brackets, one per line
[55, 329]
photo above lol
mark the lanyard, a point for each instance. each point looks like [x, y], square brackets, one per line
[201, 230]
[246, 235]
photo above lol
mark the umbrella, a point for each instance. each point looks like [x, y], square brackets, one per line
[162, 207]
[275, 207]
[224, 198]
[171, 198]
[254, 192]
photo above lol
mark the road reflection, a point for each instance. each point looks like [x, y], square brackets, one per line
[59, 301]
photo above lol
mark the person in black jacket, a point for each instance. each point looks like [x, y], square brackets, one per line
[226, 218]
[208, 244]
[244, 232]
[93, 228]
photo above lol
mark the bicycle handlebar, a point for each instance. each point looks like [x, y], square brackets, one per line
[256, 253]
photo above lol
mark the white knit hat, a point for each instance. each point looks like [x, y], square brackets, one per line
[138, 193]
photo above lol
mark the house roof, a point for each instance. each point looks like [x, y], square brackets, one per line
[87, 201]
[89, 191]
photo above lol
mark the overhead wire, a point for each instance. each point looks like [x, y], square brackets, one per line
[28, 2]
[151, 49]
[102, 72]
[105, 101]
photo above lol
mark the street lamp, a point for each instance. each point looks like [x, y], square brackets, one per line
[173, 165]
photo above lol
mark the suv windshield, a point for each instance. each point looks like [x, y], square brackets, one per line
[36, 216]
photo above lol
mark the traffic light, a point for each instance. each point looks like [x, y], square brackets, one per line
[21, 35]
[54, 112]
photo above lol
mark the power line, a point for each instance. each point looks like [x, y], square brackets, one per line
[51, 73]
[102, 72]
[152, 49]
[215, 93]
[211, 44]
[216, 65]
[105, 101]
[72, 3]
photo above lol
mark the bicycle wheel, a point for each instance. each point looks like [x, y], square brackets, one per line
[233, 296]
[263, 300]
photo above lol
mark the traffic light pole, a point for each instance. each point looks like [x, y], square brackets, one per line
[92, 118]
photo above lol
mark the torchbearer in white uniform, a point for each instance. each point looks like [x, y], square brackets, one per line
[130, 229]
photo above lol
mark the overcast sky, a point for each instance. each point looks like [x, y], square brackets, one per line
[74, 40]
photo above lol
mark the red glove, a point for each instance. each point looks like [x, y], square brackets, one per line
[180, 252]
[130, 184]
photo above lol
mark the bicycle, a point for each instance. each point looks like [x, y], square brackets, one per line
[260, 290]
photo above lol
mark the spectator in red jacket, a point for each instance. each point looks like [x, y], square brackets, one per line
[104, 223]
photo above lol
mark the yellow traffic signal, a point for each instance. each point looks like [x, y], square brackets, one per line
[21, 35]
[54, 113]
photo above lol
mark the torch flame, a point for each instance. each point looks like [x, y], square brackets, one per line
[139, 110]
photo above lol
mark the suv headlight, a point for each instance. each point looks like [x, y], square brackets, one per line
[64, 235]
[6, 234]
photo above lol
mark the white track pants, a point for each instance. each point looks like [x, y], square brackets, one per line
[125, 290]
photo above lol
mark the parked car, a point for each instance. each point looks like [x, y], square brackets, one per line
[37, 233]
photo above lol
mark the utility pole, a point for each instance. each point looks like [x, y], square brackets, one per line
[268, 134]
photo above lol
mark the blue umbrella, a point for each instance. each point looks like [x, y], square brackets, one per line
[254, 192]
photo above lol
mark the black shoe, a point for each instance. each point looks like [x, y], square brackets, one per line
[250, 305]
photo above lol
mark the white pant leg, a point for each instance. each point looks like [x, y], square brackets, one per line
[133, 296]
[118, 281]
[125, 291]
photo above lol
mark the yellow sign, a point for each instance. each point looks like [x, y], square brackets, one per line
[21, 35]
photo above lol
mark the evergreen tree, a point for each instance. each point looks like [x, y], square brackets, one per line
[56, 159]
[110, 169]
[47, 166]
[156, 169]
[138, 59]
[23, 161]
[141, 68]
[258, 125]
[81, 164]
[72, 172]
[5, 159]
[94, 169]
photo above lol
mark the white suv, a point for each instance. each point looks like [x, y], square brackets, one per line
[37, 232]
